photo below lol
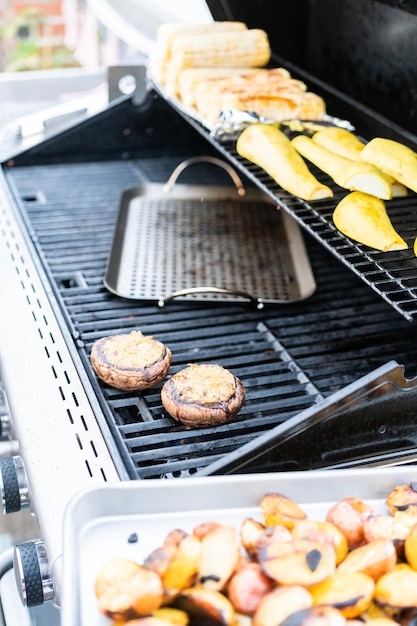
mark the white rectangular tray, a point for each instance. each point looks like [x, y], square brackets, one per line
[99, 521]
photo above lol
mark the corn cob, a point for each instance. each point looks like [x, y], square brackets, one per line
[170, 31]
[270, 149]
[190, 78]
[247, 48]
[345, 143]
[277, 107]
[346, 173]
[213, 96]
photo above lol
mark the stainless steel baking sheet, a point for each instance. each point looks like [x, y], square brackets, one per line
[99, 521]
[202, 242]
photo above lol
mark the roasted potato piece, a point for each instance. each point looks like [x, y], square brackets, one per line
[316, 616]
[401, 498]
[206, 607]
[277, 605]
[279, 509]
[160, 558]
[250, 531]
[374, 559]
[112, 572]
[349, 592]
[408, 517]
[349, 515]
[410, 547]
[183, 566]
[317, 530]
[272, 534]
[131, 597]
[149, 620]
[172, 616]
[220, 555]
[386, 527]
[397, 589]
[202, 529]
[300, 562]
[247, 587]
[382, 621]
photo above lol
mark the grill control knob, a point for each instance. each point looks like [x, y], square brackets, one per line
[13, 484]
[31, 569]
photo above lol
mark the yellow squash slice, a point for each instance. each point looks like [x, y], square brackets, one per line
[269, 148]
[353, 175]
[364, 218]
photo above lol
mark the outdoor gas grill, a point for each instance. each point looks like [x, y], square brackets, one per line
[338, 329]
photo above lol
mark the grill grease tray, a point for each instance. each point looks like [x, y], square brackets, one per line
[205, 242]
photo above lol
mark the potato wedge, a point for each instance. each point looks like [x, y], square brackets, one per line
[349, 515]
[206, 607]
[298, 562]
[220, 555]
[279, 509]
[406, 518]
[247, 587]
[202, 529]
[348, 174]
[321, 531]
[272, 534]
[364, 219]
[410, 547]
[160, 558]
[374, 559]
[400, 498]
[183, 566]
[350, 592]
[250, 531]
[149, 620]
[316, 616]
[269, 148]
[131, 597]
[112, 572]
[277, 605]
[172, 616]
[397, 589]
[386, 527]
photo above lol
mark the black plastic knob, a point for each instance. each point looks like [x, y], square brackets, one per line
[31, 568]
[13, 484]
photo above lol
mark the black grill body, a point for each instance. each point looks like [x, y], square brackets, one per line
[289, 357]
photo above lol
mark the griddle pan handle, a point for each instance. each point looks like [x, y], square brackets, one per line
[204, 159]
[200, 290]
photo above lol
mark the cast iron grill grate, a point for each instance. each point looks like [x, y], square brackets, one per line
[287, 356]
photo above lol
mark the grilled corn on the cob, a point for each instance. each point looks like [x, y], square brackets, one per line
[246, 48]
[190, 78]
